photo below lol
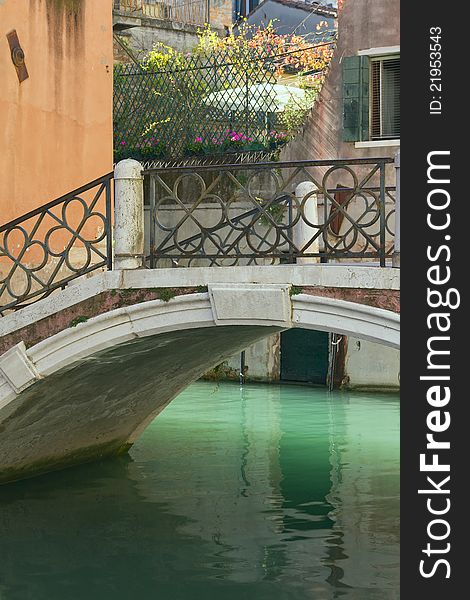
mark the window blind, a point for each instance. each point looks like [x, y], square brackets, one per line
[385, 98]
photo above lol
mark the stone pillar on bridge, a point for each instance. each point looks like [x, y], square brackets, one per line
[396, 249]
[128, 215]
[303, 230]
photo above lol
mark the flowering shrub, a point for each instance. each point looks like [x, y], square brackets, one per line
[289, 53]
[195, 148]
[152, 148]
[225, 81]
[276, 139]
[233, 141]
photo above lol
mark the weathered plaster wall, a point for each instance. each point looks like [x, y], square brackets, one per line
[362, 24]
[56, 126]
[145, 31]
[262, 360]
[370, 365]
[367, 365]
[142, 38]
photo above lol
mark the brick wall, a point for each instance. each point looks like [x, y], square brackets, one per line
[221, 13]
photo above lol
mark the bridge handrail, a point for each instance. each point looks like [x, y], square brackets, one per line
[276, 224]
[32, 266]
[55, 202]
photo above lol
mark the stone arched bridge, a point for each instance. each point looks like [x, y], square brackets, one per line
[84, 371]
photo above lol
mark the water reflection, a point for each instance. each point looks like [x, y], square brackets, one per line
[269, 492]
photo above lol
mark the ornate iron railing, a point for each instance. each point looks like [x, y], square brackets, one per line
[243, 214]
[55, 243]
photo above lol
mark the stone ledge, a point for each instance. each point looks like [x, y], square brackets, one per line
[311, 276]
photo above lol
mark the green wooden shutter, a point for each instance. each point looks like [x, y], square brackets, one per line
[355, 98]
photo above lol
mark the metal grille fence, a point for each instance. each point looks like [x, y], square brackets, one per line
[208, 107]
[245, 214]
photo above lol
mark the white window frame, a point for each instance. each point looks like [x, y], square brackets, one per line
[385, 52]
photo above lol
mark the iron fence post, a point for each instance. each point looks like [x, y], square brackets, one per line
[152, 220]
[109, 227]
[396, 248]
[382, 214]
[292, 259]
[324, 254]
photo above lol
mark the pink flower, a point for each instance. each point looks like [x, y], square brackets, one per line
[198, 140]
[123, 143]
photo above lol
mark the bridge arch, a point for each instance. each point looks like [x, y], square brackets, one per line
[89, 391]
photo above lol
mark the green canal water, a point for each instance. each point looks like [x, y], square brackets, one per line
[265, 492]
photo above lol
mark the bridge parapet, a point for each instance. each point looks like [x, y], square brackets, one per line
[304, 212]
[271, 213]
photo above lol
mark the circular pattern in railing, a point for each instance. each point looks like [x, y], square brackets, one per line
[54, 244]
[253, 215]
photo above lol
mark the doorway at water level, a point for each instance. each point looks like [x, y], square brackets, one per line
[304, 356]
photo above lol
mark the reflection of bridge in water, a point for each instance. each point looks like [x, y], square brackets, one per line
[84, 370]
[244, 490]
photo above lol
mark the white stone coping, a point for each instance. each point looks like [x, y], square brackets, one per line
[347, 318]
[87, 287]
[380, 51]
[378, 144]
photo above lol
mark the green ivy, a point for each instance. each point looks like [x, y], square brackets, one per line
[78, 320]
[295, 290]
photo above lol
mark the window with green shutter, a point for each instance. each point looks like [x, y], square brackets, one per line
[371, 98]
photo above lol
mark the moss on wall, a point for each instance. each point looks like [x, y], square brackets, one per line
[71, 6]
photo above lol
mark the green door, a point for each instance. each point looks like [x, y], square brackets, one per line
[304, 356]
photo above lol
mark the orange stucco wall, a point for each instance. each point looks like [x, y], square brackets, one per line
[56, 126]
